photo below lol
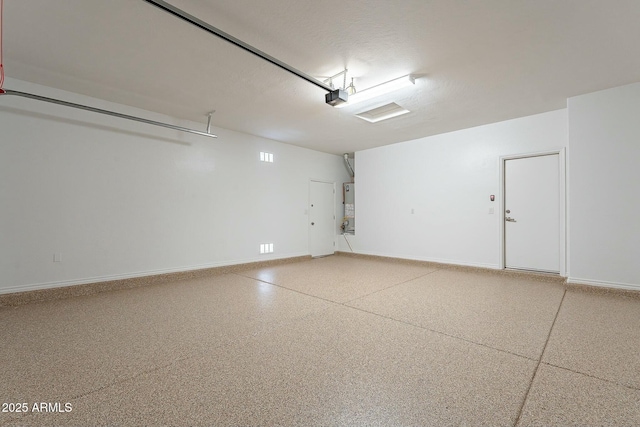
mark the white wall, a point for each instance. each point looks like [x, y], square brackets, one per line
[121, 199]
[447, 180]
[604, 187]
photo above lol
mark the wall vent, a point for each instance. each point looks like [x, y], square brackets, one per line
[266, 248]
[266, 157]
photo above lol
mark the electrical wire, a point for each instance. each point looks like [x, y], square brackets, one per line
[345, 238]
[1, 29]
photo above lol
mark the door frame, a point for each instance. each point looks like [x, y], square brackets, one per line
[562, 204]
[308, 210]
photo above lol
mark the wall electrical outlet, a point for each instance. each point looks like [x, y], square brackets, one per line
[490, 211]
[57, 257]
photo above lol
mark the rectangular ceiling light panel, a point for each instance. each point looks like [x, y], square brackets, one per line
[383, 113]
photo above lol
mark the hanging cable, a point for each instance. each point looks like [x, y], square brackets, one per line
[345, 238]
[1, 62]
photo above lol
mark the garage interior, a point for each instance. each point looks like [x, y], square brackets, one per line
[372, 213]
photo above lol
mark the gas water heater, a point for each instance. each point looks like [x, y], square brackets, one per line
[348, 201]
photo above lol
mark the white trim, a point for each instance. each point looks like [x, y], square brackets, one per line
[562, 159]
[567, 211]
[98, 279]
[601, 284]
[562, 204]
[434, 260]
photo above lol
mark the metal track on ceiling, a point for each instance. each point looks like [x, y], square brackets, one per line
[179, 13]
[169, 8]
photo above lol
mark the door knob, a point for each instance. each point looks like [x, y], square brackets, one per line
[510, 219]
[313, 223]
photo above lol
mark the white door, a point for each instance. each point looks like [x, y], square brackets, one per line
[532, 213]
[322, 222]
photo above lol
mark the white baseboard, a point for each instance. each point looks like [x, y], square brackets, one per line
[578, 281]
[435, 260]
[111, 277]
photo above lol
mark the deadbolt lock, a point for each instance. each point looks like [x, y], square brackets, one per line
[508, 211]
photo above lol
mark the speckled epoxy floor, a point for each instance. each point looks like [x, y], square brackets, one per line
[330, 341]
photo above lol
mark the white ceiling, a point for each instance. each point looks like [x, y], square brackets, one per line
[478, 61]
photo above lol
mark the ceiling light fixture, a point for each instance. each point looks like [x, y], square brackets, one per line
[381, 89]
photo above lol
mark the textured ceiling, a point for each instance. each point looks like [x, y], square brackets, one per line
[478, 62]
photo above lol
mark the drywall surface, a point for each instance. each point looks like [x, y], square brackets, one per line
[429, 199]
[114, 198]
[604, 187]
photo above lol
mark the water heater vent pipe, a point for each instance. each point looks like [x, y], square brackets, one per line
[346, 160]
